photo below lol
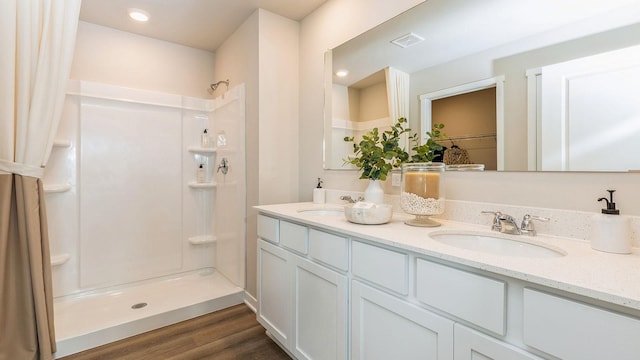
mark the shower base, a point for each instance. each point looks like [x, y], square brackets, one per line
[97, 318]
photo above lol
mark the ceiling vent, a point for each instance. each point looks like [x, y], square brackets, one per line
[407, 40]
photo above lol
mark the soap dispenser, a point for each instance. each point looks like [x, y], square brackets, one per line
[609, 230]
[319, 193]
[204, 139]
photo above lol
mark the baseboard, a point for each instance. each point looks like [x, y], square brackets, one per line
[251, 301]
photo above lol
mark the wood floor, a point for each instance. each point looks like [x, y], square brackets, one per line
[231, 333]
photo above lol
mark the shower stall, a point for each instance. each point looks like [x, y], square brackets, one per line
[138, 240]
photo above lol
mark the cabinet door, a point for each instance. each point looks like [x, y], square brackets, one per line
[385, 327]
[274, 291]
[472, 345]
[320, 312]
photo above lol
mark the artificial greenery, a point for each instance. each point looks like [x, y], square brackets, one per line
[377, 154]
[427, 151]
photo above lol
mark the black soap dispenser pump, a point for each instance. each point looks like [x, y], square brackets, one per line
[609, 230]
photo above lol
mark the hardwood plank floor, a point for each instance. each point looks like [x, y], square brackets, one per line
[232, 333]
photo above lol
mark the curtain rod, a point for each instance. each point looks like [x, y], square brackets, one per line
[469, 137]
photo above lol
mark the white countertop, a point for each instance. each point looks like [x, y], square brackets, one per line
[607, 277]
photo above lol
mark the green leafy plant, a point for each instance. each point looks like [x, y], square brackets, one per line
[379, 153]
[427, 151]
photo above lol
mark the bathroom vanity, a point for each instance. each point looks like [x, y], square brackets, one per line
[330, 289]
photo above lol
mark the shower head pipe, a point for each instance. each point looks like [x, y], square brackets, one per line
[214, 86]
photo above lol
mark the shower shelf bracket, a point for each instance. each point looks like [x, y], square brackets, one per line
[61, 143]
[202, 240]
[57, 188]
[201, 150]
[57, 260]
[206, 185]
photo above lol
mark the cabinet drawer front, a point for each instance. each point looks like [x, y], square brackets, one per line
[293, 236]
[329, 249]
[452, 290]
[387, 268]
[470, 344]
[572, 330]
[268, 228]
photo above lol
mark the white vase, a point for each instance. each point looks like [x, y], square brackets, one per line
[374, 192]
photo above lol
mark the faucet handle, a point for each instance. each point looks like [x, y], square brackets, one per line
[495, 226]
[527, 223]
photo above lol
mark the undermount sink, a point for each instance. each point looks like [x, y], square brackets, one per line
[323, 211]
[497, 244]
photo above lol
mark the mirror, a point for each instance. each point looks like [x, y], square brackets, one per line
[460, 46]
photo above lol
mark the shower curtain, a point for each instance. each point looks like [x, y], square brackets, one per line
[37, 39]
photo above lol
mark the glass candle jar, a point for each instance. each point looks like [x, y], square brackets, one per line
[422, 192]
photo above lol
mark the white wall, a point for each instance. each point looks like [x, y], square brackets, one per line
[278, 83]
[327, 27]
[323, 30]
[110, 56]
[263, 53]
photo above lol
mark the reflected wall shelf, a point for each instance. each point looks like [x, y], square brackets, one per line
[206, 185]
[57, 260]
[201, 150]
[202, 240]
[56, 188]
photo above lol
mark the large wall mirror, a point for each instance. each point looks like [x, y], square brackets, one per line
[532, 85]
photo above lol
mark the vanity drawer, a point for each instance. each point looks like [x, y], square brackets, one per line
[293, 236]
[474, 298]
[572, 330]
[387, 268]
[268, 228]
[329, 248]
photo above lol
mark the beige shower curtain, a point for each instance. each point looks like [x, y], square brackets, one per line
[37, 39]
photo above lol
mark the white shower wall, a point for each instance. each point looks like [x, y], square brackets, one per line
[121, 202]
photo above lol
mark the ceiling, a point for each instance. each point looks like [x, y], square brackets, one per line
[201, 24]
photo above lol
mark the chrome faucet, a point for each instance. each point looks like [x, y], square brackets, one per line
[224, 166]
[507, 224]
[527, 224]
[349, 199]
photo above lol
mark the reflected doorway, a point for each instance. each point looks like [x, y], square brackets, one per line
[469, 121]
[473, 115]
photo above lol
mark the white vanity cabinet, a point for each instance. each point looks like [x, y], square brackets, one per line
[302, 299]
[327, 295]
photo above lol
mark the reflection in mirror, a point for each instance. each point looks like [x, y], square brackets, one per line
[358, 106]
[587, 113]
[467, 42]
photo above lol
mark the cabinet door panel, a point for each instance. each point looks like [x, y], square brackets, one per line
[320, 312]
[472, 345]
[274, 291]
[385, 327]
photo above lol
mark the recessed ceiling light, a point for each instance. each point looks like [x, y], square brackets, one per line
[342, 73]
[139, 15]
[407, 40]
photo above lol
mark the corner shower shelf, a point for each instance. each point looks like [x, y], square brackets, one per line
[207, 185]
[57, 188]
[202, 240]
[57, 260]
[62, 143]
[201, 150]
